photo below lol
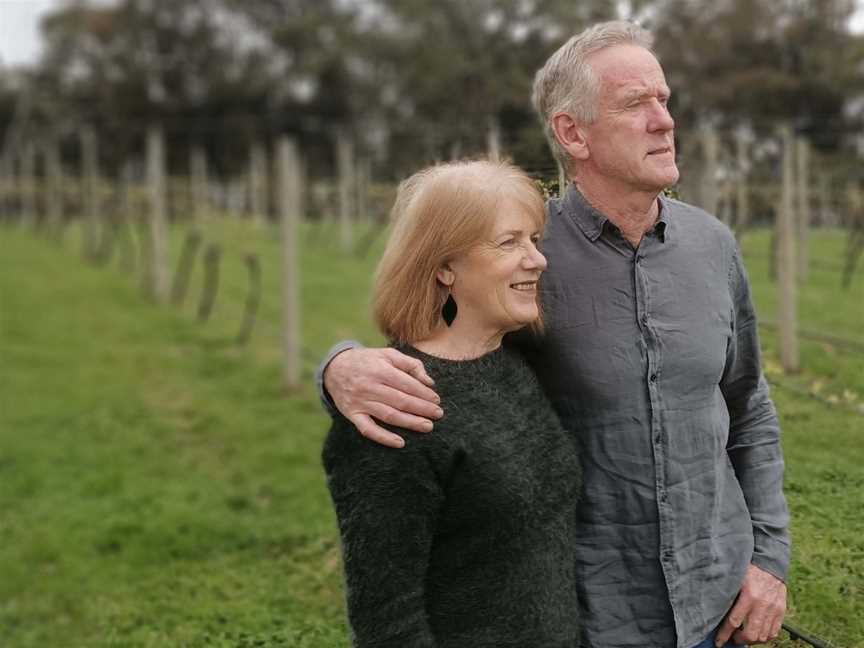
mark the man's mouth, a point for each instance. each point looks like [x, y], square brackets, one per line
[661, 151]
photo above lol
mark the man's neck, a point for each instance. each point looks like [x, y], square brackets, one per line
[632, 212]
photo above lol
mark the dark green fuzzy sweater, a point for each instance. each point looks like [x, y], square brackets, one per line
[464, 537]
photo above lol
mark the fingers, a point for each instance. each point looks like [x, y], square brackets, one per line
[399, 417]
[412, 366]
[408, 375]
[775, 627]
[405, 403]
[755, 629]
[374, 432]
[386, 385]
[730, 625]
[775, 617]
[758, 611]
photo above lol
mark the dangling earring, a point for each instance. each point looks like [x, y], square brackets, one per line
[449, 310]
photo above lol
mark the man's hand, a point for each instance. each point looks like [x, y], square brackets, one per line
[758, 611]
[386, 384]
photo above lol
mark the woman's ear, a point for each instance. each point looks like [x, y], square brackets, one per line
[445, 275]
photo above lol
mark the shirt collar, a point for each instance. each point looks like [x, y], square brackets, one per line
[591, 221]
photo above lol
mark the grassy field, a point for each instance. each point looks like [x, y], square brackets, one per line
[158, 488]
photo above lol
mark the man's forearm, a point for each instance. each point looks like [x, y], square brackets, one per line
[755, 452]
[754, 433]
[335, 350]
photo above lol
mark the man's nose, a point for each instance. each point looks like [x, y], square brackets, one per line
[661, 118]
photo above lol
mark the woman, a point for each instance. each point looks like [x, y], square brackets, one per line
[464, 536]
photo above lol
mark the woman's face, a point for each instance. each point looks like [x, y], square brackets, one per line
[495, 283]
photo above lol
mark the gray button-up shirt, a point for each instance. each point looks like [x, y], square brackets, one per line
[651, 359]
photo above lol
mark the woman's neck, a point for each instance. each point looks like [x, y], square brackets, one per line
[459, 342]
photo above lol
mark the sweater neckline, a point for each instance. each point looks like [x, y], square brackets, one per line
[490, 358]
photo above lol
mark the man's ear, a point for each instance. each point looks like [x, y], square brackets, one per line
[445, 275]
[570, 135]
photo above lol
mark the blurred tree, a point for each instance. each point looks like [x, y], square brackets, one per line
[463, 68]
[176, 62]
[412, 80]
[419, 81]
[758, 62]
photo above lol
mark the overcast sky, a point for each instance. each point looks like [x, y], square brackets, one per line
[19, 28]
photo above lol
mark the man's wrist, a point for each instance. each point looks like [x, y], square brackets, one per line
[335, 350]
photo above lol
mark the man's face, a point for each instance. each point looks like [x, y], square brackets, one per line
[631, 142]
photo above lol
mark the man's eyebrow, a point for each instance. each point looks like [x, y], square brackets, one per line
[641, 93]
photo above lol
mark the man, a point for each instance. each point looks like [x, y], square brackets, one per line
[651, 359]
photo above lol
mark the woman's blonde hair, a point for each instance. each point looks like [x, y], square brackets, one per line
[440, 213]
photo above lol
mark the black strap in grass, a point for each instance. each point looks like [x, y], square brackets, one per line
[798, 635]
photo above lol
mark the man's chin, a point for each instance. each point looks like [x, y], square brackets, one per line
[668, 179]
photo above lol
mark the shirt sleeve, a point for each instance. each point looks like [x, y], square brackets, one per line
[387, 504]
[754, 432]
[335, 350]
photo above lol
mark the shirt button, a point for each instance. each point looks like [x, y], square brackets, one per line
[639, 258]
[644, 318]
[667, 554]
[653, 378]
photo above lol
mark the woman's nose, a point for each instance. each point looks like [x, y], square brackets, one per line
[534, 259]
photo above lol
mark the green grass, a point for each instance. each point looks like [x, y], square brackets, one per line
[158, 487]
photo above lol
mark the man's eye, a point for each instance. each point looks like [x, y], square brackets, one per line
[507, 243]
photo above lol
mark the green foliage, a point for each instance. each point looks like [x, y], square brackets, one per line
[159, 489]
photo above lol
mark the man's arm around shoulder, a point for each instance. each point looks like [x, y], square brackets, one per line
[378, 383]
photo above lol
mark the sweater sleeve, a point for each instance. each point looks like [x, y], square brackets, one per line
[754, 433]
[387, 503]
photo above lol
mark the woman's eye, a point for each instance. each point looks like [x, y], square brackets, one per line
[507, 243]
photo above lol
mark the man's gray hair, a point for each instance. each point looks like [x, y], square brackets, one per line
[566, 83]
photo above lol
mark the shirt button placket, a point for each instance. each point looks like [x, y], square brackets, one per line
[666, 551]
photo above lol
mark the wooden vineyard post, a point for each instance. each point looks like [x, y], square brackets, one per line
[345, 167]
[709, 194]
[363, 184]
[823, 189]
[54, 193]
[28, 186]
[290, 210]
[742, 194]
[200, 183]
[129, 253]
[5, 193]
[493, 139]
[212, 258]
[802, 157]
[157, 270]
[184, 267]
[89, 186]
[786, 263]
[258, 184]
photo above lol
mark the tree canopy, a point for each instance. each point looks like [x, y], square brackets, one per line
[414, 81]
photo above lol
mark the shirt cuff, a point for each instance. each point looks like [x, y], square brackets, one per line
[771, 555]
[335, 350]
